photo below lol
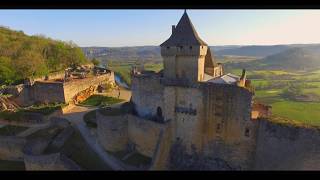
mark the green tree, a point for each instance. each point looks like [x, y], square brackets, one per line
[30, 64]
[292, 91]
[95, 62]
[7, 72]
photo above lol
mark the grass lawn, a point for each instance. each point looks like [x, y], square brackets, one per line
[12, 165]
[77, 149]
[89, 119]
[11, 116]
[123, 69]
[306, 112]
[97, 100]
[10, 130]
[138, 159]
[42, 109]
[46, 133]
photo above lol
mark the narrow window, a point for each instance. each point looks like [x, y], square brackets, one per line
[247, 132]
[190, 47]
[168, 47]
[218, 127]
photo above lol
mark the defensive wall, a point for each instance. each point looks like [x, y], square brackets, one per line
[116, 132]
[287, 147]
[148, 94]
[61, 92]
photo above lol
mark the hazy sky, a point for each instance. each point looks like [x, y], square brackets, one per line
[152, 27]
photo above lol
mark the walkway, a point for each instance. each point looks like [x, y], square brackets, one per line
[75, 116]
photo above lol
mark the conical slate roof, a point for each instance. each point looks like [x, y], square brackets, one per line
[184, 34]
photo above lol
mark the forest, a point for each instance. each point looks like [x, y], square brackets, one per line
[23, 56]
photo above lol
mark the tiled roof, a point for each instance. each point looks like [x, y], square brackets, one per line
[184, 34]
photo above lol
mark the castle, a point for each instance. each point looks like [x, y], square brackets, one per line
[191, 115]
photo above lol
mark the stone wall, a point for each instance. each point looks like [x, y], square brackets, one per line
[112, 131]
[73, 87]
[284, 147]
[51, 92]
[143, 134]
[51, 76]
[147, 94]
[161, 154]
[184, 106]
[49, 162]
[116, 132]
[48, 92]
[184, 62]
[228, 131]
[11, 148]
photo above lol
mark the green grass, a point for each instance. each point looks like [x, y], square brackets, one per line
[79, 151]
[111, 112]
[11, 116]
[138, 159]
[11, 165]
[42, 109]
[305, 112]
[123, 69]
[46, 133]
[97, 100]
[89, 119]
[118, 154]
[135, 159]
[10, 130]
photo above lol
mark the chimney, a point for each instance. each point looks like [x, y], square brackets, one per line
[173, 28]
[242, 80]
[243, 76]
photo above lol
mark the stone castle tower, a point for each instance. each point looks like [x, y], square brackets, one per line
[208, 111]
[192, 116]
[186, 57]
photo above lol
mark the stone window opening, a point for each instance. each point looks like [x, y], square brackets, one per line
[218, 127]
[190, 47]
[181, 47]
[159, 112]
[247, 132]
[168, 47]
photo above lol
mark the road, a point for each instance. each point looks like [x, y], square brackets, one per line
[75, 116]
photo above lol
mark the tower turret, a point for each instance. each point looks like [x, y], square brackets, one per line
[184, 53]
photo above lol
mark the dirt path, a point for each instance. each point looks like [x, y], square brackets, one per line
[75, 116]
[124, 94]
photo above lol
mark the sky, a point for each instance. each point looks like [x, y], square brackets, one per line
[114, 28]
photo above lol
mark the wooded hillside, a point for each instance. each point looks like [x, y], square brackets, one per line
[23, 56]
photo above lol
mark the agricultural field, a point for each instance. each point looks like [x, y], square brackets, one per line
[271, 85]
[123, 68]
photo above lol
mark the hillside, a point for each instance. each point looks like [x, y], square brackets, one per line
[23, 56]
[293, 59]
[256, 51]
[152, 53]
[141, 53]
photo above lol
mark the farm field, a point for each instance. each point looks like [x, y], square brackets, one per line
[123, 68]
[271, 84]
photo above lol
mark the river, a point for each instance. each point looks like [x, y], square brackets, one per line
[120, 82]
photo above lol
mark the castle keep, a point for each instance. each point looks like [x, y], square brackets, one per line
[191, 115]
[203, 103]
